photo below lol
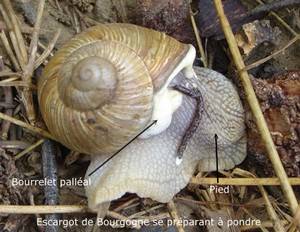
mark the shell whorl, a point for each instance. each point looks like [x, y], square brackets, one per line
[88, 85]
[96, 93]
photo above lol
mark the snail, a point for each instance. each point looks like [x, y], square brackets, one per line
[107, 84]
[110, 82]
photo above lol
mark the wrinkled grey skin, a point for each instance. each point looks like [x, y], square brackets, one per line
[147, 166]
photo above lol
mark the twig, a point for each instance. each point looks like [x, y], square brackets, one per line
[296, 221]
[282, 209]
[275, 5]
[42, 209]
[17, 83]
[28, 71]
[76, 21]
[242, 181]
[126, 204]
[13, 144]
[175, 216]
[16, 30]
[261, 61]
[284, 23]
[9, 101]
[11, 79]
[31, 200]
[41, 45]
[29, 149]
[261, 10]
[198, 39]
[206, 203]
[58, 6]
[8, 73]
[9, 50]
[160, 216]
[8, 97]
[141, 213]
[50, 173]
[34, 42]
[27, 126]
[25, 29]
[255, 108]
[272, 214]
[47, 50]
[62, 209]
[6, 124]
[281, 20]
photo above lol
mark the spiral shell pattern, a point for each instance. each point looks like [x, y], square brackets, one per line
[96, 93]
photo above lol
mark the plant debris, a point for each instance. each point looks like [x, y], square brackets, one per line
[279, 98]
[256, 33]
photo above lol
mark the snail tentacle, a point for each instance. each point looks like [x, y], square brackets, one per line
[194, 124]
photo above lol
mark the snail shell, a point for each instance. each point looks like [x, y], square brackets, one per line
[97, 92]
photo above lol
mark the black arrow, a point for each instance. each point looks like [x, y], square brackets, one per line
[154, 122]
[217, 157]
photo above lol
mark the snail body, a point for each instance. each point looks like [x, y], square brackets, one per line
[102, 87]
[146, 167]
